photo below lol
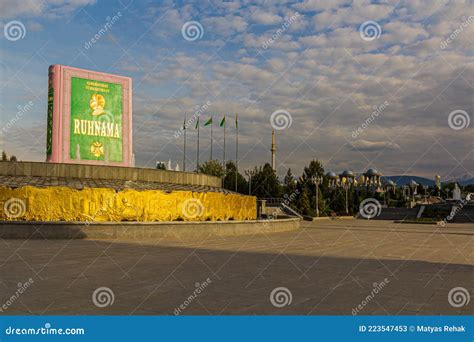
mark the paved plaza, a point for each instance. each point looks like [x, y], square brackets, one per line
[326, 268]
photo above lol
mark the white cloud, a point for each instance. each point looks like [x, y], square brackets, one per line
[397, 32]
[374, 146]
[37, 8]
[13, 8]
[356, 14]
[265, 18]
[326, 76]
[318, 5]
[225, 26]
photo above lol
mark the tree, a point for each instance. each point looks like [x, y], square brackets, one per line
[212, 168]
[338, 201]
[265, 183]
[303, 203]
[469, 188]
[160, 166]
[229, 179]
[13, 159]
[315, 168]
[4, 156]
[289, 183]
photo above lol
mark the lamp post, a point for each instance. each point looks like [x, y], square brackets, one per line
[413, 186]
[250, 174]
[425, 187]
[346, 186]
[317, 180]
[347, 179]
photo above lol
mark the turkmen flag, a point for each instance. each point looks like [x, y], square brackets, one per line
[237, 120]
[184, 124]
[197, 124]
[208, 122]
[222, 122]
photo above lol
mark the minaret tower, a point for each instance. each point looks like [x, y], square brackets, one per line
[273, 151]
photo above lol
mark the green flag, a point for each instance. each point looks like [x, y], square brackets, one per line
[222, 122]
[184, 124]
[208, 122]
[197, 123]
[237, 120]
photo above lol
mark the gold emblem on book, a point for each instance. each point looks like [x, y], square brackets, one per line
[97, 149]
[97, 104]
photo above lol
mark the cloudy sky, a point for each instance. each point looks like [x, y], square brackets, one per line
[356, 84]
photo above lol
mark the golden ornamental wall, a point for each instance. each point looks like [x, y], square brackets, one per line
[100, 204]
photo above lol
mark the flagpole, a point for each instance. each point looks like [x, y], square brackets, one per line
[184, 145]
[236, 148]
[223, 157]
[210, 157]
[197, 151]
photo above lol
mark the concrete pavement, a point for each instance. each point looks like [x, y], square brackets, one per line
[328, 267]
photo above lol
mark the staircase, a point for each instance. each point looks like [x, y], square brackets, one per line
[465, 215]
[395, 214]
[276, 207]
[291, 211]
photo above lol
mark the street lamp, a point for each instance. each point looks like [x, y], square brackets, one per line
[413, 186]
[346, 186]
[250, 174]
[317, 180]
[346, 180]
[425, 187]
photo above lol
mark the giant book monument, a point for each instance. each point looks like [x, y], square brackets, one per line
[89, 117]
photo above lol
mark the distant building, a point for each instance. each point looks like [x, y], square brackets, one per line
[456, 192]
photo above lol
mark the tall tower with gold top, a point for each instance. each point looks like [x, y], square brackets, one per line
[273, 151]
